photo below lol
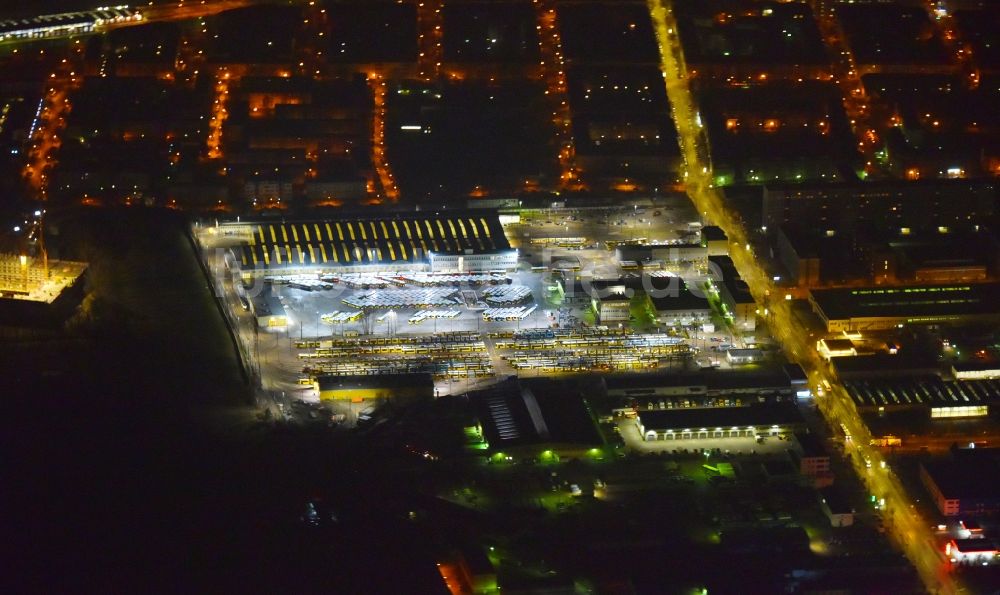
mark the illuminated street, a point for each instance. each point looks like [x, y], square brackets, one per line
[429, 23]
[219, 114]
[553, 68]
[912, 534]
[518, 296]
[386, 181]
[49, 123]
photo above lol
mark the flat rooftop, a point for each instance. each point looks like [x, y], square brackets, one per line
[838, 344]
[782, 414]
[795, 373]
[336, 382]
[737, 287]
[811, 445]
[537, 411]
[918, 301]
[682, 300]
[763, 381]
[884, 365]
[835, 501]
[975, 545]
[959, 479]
[712, 233]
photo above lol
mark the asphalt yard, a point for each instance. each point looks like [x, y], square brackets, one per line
[463, 341]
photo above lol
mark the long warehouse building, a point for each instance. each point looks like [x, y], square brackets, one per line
[879, 308]
[442, 242]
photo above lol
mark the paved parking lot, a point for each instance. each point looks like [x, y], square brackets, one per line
[416, 308]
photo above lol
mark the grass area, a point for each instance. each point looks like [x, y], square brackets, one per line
[642, 316]
[554, 297]
[147, 295]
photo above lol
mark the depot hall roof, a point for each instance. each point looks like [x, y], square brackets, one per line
[402, 237]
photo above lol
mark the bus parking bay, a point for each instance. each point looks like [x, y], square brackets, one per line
[394, 334]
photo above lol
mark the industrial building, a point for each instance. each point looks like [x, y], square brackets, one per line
[682, 307]
[719, 422]
[734, 293]
[972, 551]
[267, 308]
[612, 307]
[703, 389]
[831, 348]
[383, 386]
[744, 356]
[967, 483]
[889, 205]
[814, 257]
[716, 240]
[813, 461]
[669, 296]
[536, 416]
[880, 308]
[675, 257]
[836, 507]
[798, 379]
[883, 366]
[941, 399]
[975, 370]
[462, 241]
[710, 404]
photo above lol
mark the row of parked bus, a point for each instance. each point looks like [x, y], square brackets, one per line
[508, 314]
[338, 317]
[465, 367]
[404, 298]
[569, 361]
[507, 295]
[436, 338]
[422, 315]
[365, 348]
